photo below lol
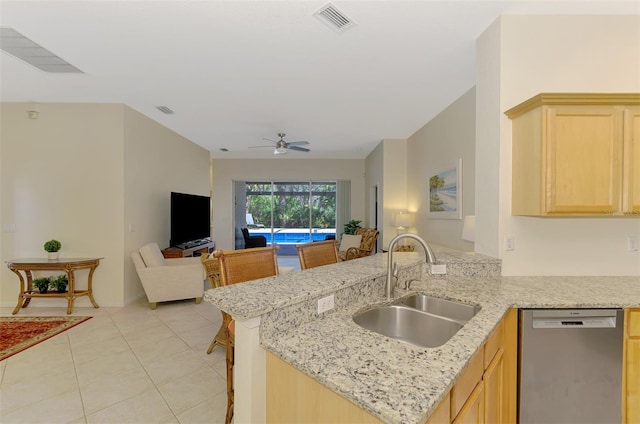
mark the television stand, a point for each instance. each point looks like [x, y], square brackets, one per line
[203, 248]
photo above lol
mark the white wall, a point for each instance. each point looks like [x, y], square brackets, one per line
[62, 178]
[374, 164]
[551, 54]
[225, 171]
[445, 139]
[394, 193]
[82, 173]
[157, 161]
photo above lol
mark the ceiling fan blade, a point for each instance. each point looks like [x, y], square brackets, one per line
[268, 139]
[297, 143]
[300, 149]
[257, 147]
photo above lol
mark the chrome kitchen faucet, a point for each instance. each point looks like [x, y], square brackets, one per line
[391, 274]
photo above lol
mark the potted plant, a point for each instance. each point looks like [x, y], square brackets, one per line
[60, 283]
[52, 247]
[352, 226]
[42, 284]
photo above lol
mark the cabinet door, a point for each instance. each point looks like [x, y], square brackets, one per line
[441, 414]
[583, 154]
[631, 389]
[631, 174]
[473, 410]
[494, 390]
[633, 381]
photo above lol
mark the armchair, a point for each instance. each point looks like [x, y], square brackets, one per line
[253, 241]
[368, 239]
[168, 279]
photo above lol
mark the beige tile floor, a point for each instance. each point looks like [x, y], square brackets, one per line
[124, 365]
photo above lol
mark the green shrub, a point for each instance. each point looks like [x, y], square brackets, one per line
[60, 283]
[42, 284]
[52, 246]
[352, 226]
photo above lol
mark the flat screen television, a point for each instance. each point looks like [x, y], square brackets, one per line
[190, 218]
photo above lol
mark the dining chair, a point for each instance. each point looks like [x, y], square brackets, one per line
[317, 253]
[239, 266]
[211, 267]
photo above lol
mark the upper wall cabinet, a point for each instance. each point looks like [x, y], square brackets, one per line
[576, 155]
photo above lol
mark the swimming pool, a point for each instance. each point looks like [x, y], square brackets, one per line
[292, 235]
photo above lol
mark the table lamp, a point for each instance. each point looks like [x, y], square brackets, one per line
[402, 221]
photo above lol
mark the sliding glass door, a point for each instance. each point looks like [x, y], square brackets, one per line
[287, 213]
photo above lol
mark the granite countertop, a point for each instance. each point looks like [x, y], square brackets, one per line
[395, 381]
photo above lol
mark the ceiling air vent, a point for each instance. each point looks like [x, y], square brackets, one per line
[334, 18]
[165, 110]
[16, 44]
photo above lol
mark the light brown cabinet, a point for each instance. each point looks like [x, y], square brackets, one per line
[576, 155]
[294, 397]
[473, 410]
[631, 367]
[486, 391]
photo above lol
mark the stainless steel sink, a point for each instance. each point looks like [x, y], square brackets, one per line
[442, 307]
[408, 325]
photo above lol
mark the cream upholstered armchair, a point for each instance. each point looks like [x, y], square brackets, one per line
[168, 279]
[359, 245]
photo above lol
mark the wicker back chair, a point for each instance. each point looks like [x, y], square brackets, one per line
[317, 253]
[238, 266]
[367, 245]
[211, 267]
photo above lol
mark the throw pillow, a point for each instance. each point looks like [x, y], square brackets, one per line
[151, 255]
[348, 241]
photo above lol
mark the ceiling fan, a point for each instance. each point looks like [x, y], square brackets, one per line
[282, 147]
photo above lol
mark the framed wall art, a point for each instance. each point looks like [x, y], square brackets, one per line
[445, 191]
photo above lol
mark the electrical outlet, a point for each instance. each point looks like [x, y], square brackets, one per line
[632, 244]
[132, 228]
[9, 228]
[509, 243]
[438, 269]
[325, 304]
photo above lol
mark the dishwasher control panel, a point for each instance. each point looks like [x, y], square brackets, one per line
[587, 322]
[574, 318]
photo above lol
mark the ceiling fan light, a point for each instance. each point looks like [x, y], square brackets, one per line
[280, 151]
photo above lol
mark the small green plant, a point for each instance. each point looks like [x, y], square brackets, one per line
[52, 246]
[351, 226]
[60, 283]
[42, 284]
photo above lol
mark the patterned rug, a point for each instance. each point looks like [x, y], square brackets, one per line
[20, 333]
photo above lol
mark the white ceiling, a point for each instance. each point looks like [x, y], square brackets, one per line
[237, 71]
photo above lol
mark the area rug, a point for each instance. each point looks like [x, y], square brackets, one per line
[20, 333]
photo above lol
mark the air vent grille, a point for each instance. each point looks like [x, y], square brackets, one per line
[16, 44]
[165, 110]
[334, 18]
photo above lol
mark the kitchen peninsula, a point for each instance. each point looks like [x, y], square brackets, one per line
[393, 381]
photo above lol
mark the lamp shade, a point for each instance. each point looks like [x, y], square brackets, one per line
[404, 220]
[469, 228]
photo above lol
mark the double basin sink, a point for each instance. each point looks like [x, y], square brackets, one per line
[418, 319]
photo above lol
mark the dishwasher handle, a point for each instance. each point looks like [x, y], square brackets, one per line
[574, 318]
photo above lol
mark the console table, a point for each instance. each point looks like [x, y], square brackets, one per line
[201, 249]
[68, 265]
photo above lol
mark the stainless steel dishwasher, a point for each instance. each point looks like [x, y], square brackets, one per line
[570, 366]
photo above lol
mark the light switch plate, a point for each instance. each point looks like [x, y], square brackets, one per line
[632, 244]
[509, 243]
